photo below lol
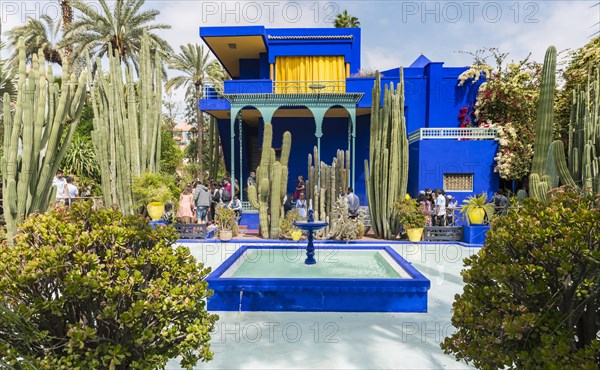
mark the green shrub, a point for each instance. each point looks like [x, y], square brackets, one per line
[155, 187]
[410, 214]
[532, 294]
[287, 224]
[106, 290]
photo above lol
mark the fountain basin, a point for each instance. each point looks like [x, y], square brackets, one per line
[346, 279]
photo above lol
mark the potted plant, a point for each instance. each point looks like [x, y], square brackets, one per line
[226, 221]
[476, 208]
[411, 217]
[152, 190]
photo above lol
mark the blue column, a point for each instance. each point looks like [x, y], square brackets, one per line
[232, 120]
[319, 114]
[353, 118]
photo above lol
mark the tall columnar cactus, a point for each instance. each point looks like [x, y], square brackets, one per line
[543, 128]
[387, 176]
[582, 170]
[37, 134]
[127, 122]
[272, 179]
[333, 180]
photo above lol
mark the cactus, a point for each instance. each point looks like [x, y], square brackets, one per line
[539, 180]
[272, 179]
[387, 176]
[36, 136]
[580, 168]
[543, 124]
[334, 179]
[127, 140]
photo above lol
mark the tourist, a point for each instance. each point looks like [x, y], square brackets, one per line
[167, 217]
[202, 202]
[288, 205]
[61, 187]
[251, 181]
[226, 192]
[353, 203]
[301, 205]
[428, 209]
[185, 212]
[500, 203]
[215, 199]
[451, 206]
[236, 206]
[440, 208]
[421, 197]
[72, 191]
[300, 188]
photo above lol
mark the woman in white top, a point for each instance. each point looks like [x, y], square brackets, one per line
[301, 205]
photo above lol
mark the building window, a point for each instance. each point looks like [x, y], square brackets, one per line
[458, 182]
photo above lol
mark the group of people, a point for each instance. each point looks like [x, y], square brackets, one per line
[298, 200]
[66, 190]
[199, 201]
[438, 206]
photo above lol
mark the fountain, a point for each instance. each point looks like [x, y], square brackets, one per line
[311, 226]
[348, 278]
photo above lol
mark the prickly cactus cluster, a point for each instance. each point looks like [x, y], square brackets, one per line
[333, 181]
[37, 133]
[127, 118]
[387, 176]
[271, 179]
[581, 167]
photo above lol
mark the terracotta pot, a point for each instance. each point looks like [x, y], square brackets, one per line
[156, 210]
[225, 235]
[476, 216]
[414, 235]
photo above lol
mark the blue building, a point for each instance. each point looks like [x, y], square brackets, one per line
[308, 81]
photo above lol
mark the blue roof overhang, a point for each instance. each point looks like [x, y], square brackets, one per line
[230, 44]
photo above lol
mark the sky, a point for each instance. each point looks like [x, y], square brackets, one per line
[394, 33]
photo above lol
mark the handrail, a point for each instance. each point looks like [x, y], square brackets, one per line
[457, 133]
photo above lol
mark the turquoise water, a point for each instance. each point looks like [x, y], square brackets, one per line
[335, 263]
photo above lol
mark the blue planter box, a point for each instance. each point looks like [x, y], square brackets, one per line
[475, 234]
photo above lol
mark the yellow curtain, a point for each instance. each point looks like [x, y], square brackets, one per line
[297, 74]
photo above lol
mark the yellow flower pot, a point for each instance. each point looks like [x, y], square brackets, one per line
[156, 210]
[296, 235]
[414, 235]
[476, 216]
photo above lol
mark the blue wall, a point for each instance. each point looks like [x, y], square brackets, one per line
[430, 159]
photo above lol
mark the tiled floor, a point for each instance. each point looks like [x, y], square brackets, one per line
[290, 340]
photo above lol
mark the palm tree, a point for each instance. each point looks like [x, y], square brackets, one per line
[38, 34]
[120, 28]
[66, 11]
[345, 20]
[194, 62]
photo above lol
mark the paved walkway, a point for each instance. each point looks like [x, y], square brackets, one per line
[306, 340]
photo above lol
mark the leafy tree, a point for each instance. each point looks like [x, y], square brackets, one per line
[172, 112]
[532, 296]
[107, 291]
[120, 28]
[193, 61]
[507, 100]
[171, 157]
[345, 20]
